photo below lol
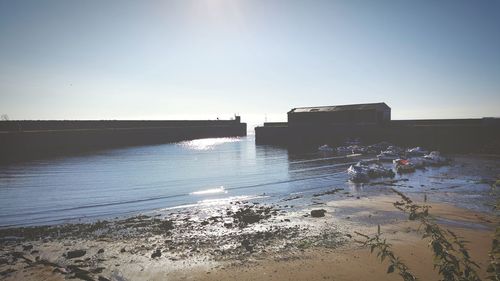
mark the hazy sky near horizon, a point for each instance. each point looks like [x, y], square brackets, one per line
[119, 59]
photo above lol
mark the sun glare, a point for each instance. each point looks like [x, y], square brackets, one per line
[206, 144]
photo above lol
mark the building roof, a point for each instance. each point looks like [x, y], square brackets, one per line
[363, 106]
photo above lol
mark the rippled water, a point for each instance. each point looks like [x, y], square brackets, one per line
[141, 179]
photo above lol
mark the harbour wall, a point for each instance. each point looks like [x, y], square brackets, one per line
[25, 140]
[447, 135]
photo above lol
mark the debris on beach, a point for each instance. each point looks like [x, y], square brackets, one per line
[328, 192]
[156, 254]
[392, 182]
[251, 214]
[75, 254]
[318, 213]
[237, 231]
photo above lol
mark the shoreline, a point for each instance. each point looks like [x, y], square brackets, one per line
[309, 234]
[240, 239]
[469, 175]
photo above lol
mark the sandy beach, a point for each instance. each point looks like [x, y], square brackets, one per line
[241, 240]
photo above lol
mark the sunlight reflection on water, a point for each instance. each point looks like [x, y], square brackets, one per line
[213, 202]
[210, 191]
[206, 144]
[206, 172]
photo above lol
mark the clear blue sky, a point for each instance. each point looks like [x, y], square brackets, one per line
[202, 59]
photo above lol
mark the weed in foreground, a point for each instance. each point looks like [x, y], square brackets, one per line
[451, 256]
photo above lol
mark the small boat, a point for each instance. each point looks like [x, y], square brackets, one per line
[378, 171]
[435, 159]
[357, 149]
[325, 148]
[404, 166]
[418, 162]
[362, 172]
[344, 150]
[395, 149]
[387, 156]
[378, 147]
[416, 151]
[357, 173]
[352, 149]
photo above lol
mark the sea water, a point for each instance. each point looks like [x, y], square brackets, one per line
[120, 182]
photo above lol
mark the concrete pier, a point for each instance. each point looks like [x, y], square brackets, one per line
[448, 135]
[25, 140]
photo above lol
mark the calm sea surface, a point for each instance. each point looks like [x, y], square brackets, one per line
[142, 179]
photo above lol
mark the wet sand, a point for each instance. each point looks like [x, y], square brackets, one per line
[238, 241]
[352, 262]
[349, 263]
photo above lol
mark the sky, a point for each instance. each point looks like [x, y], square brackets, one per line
[203, 59]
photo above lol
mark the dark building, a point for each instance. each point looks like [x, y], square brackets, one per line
[309, 127]
[368, 113]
